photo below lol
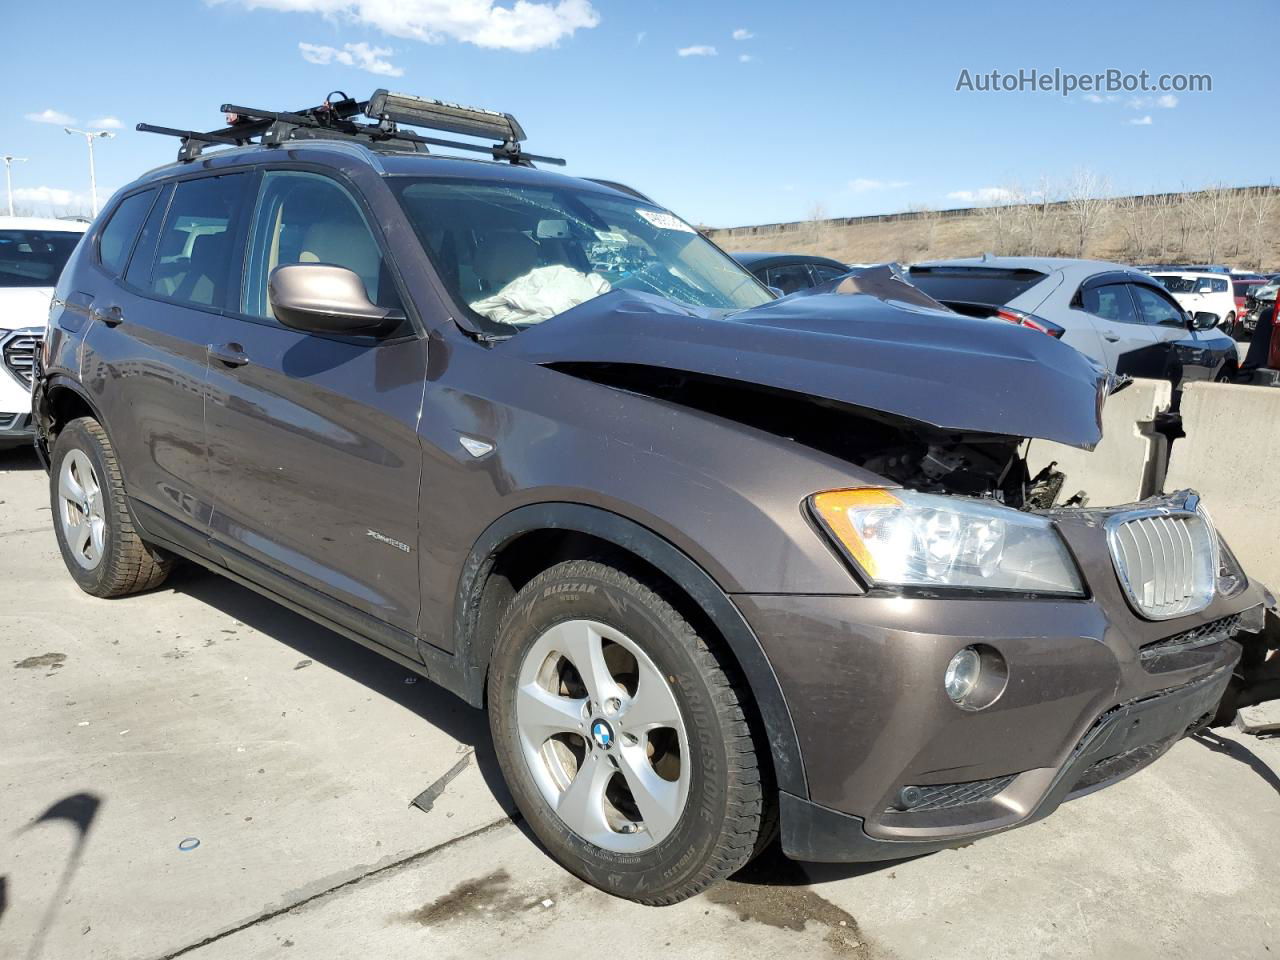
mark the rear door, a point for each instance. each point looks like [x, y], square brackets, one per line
[1128, 343]
[313, 438]
[146, 346]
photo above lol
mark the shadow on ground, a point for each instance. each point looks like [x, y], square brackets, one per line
[376, 673]
[18, 458]
[1238, 751]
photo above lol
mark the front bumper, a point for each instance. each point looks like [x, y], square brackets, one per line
[16, 430]
[1122, 741]
[893, 768]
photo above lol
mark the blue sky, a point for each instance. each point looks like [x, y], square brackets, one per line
[771, 110]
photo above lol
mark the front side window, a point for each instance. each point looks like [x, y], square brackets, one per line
[790, 277]
[307, 218]
[122, 229]
[518, 255]
[1156, 309]
[194, 257]
[1110, 301]
[34, 258]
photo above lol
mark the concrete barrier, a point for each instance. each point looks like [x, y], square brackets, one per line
[1231, 455]
[1130, 461]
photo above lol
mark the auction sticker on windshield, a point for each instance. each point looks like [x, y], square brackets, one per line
[665, 221]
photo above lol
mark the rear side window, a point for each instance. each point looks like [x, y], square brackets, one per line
[988, 286]
[144, 252]
[1218, 286]
[822, 273]
[122, 229]
[196, 248]
[1110, 302]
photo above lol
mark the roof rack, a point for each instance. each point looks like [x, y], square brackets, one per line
[334, 120]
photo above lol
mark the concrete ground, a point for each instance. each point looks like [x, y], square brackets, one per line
[285, 757]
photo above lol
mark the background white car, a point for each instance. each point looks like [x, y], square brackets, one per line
[33, 251]
[1202, 292]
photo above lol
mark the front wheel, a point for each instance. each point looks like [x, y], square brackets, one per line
[622, 735]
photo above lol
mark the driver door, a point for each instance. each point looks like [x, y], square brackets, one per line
[313, 446]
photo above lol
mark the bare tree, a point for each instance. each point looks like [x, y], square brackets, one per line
[816, 227]
[1134, 216]
[1261, 206]
[1088, 208]
[1210, 214]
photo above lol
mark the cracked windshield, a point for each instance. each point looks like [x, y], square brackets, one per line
[517, 255]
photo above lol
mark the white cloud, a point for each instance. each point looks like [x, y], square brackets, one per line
[742, 34]
[640, 37]
[107, 123]
[1098, 98]
[523, 26]
[51, 116]
[1166, 102]
[866, 185]
[1143, 121]
[358, 55]
[698, 50]
[984, 195]
[745, 58]
[44, 198]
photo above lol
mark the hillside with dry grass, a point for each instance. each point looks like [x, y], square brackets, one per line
[1236, 226]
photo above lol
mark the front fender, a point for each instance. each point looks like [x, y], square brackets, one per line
[473, 649]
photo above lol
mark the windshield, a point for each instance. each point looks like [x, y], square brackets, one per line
[34, 258]
[517, 255]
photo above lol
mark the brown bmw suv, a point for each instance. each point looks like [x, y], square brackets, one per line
[719, 565]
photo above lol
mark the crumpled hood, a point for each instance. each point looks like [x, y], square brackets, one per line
[870, 340]
[24, 307]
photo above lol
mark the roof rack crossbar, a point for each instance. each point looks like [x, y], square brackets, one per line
[333, 120]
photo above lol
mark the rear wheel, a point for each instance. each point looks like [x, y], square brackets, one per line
[622, 736]
[96, 534]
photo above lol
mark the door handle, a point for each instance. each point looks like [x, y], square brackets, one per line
[112, 316]
[1110, 338]
[230, 354]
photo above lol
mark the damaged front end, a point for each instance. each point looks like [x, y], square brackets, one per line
[867, 369]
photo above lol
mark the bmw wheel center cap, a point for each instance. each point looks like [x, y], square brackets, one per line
[602, 734]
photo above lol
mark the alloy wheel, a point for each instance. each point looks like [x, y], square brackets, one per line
[602, 735]
[80, 509]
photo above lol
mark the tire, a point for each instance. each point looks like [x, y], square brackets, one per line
[1234, 327]
[103, 552]
[703, 810]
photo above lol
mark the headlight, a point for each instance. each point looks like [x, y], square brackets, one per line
[908, 539]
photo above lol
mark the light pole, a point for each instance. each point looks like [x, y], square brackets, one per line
[9, 161]
[89, 137]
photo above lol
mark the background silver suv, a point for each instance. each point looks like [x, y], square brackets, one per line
[1119, 316]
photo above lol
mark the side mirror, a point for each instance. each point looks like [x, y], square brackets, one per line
[1205, 289]
[776, 291]
[323, 298]
[1203, 320]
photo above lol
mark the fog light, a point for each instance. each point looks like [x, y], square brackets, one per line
[962, 674]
